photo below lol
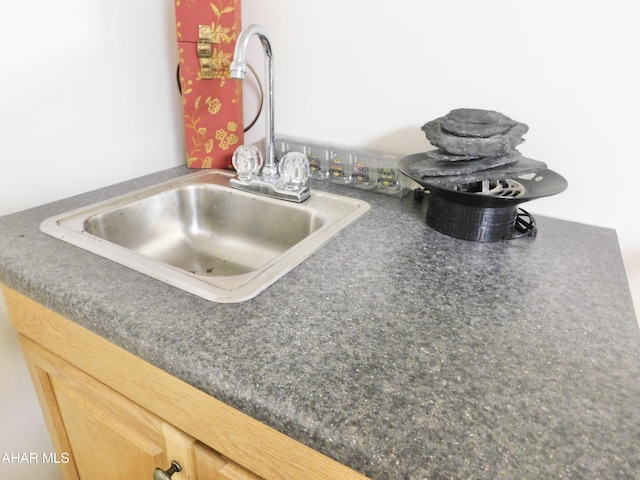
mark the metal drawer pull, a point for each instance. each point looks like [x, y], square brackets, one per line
[159, 474]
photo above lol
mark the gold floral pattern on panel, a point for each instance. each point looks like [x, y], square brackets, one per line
[210, 120]
[214, 105]
[226, 137]
[202, 139]
[221, 64]
[219, 33]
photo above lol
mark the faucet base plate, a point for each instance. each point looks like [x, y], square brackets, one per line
[274, 190]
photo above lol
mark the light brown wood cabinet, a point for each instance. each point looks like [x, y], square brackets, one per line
[112, 415]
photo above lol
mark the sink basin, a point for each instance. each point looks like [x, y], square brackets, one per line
[202, 236]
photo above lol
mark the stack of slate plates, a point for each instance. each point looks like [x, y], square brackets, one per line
[476, 177]
[474, 145]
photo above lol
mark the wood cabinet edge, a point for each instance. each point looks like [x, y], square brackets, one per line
[239, 437]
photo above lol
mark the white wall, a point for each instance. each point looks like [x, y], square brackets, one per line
[23, 428]
[371, 73]
[88, 95]
[88, 98]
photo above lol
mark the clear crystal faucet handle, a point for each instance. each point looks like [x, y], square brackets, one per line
[247, 161]
[294, 170]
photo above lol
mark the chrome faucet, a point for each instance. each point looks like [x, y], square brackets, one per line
[238, 71]
[269, 183]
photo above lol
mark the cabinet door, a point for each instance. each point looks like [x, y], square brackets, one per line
[109, 436]
[114, 437]
[105, 435]
[102, 433]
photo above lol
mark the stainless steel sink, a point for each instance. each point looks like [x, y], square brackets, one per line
[202, 236]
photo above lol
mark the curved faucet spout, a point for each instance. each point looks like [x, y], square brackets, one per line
[238, 70]
[238, 67]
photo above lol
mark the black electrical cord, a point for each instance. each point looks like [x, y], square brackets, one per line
[524, 225]
[255, 119]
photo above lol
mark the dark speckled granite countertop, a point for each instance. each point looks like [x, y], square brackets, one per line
[398, 351]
